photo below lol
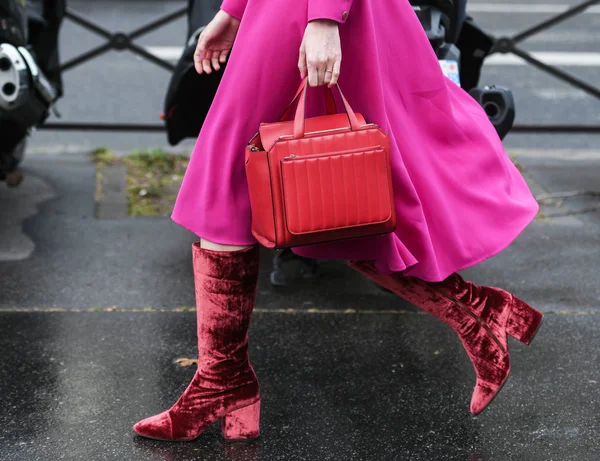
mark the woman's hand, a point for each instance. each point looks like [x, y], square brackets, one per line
[321, 53]
[215, 42]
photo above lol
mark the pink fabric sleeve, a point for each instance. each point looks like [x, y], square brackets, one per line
[336, 10]
[234, 7]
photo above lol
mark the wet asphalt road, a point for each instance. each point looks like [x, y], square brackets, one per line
[93, 315]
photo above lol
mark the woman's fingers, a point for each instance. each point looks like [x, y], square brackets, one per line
[302, 62]
[215, 61]
[206, 62]
[320, 70]
[335, 74]
[328, 73]
[321, 73]
[223, 57]
[313, 73]
[198, 66]
[199, 54]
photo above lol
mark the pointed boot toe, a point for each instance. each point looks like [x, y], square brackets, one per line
[483, 395]
[485, 392]
[158, 427]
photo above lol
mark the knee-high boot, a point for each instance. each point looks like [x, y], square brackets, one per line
[225, 386]
[481, 316]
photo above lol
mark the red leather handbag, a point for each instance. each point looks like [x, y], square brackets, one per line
[319, 179]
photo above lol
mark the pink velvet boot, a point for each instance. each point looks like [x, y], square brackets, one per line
[481, 316]
[225, 386]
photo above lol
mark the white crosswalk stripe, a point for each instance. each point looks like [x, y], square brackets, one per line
[520, 8]
[573, 59]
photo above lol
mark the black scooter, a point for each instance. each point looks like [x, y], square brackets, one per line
[30, 81]
[461, 47]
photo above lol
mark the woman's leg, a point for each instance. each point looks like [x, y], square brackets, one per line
[225, 386]
[481, 316]
[205, 244]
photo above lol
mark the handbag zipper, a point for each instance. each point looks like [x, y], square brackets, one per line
[342, 152]
[310, 134]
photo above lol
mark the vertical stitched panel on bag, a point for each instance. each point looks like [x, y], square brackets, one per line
[334, 191]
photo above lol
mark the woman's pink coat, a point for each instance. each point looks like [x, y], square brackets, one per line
[458, 196]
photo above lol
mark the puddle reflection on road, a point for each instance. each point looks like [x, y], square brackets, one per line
[16, 205]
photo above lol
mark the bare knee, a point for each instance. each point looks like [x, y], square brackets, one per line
[207, 245]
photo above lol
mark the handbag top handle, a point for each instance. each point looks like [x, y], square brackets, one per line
[299, 125]
[329, 102]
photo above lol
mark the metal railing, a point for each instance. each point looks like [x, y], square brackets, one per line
[118, 41]
[510, 45]
[121, 41]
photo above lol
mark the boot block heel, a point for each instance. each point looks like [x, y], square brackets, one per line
[523, 322]
[242, 423]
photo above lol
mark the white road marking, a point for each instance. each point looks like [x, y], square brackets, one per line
[519, 8]
[168, 53]
[559, 94]
[581, 59]
[583, 37]
[563, 154]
